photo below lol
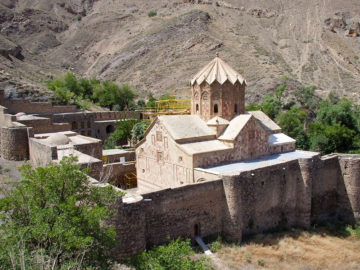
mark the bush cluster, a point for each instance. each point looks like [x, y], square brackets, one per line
[53, 219]
[174, 256]
[83, 92]
[324, 125]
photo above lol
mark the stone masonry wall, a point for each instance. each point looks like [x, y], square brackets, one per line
[14, 143]
[292, 193]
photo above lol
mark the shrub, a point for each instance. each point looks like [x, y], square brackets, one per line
[271, 106]
[174, 256]
[152, 13]
[261, 262]
[54, 218]
[253, 107]
[79, 18]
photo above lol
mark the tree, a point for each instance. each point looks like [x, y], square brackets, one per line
[55, 219]
[306, 97]
[141, 104]
[253, 107]
[330, 138]
[271, 105]
[151, 101]
[342, 113]
[292, 123]
[174, 256]
[121, 134]
[126, 97]
[139, 129]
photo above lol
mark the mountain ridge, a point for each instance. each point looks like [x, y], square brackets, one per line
[311, 43]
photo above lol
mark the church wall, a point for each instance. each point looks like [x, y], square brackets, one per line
[160, 162]
[286, 147]
[252, 141]
[204, 160]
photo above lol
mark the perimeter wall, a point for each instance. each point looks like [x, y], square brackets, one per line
[294, 193]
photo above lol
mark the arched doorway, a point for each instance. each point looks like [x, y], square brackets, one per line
[109, 129]
[197, 229]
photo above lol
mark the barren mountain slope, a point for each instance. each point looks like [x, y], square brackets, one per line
[313, 42]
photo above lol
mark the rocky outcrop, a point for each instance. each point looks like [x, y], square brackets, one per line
[261, 13]
[8, 48]
[344, 22]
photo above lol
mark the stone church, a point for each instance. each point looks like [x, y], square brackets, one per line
[218, 131]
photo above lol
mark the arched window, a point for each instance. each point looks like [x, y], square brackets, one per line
[88, 124]
[197, 107]
[235, 108]
[216, 110]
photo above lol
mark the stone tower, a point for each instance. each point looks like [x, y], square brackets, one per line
[217, 90]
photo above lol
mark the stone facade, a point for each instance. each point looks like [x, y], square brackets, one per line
[209, 101]
[160, 163]
[218, 131]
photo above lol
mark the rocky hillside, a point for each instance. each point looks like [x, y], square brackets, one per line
[312, 42]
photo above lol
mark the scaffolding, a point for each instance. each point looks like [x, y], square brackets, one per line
[125, 181]
[176, 105]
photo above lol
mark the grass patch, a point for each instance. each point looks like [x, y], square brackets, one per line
[332, 244]
[152, 13]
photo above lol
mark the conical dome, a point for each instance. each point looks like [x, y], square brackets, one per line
[217, 70]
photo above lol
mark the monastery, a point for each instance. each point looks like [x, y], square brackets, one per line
[220, 170]
[217, 131]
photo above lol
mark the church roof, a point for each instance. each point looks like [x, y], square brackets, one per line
[217, 70]
[265, 121]
[236, 125]
[217, 121]
[203, 147]
[186, 127]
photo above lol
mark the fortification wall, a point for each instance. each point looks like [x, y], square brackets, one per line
[179, 212]
[293, 193]
[14, 106]
[349, 190]
[18, 105]
[14, 143]
[44, 125]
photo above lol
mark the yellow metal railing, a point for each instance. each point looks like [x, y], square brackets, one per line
[176, 105]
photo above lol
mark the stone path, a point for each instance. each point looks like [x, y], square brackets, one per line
[215, 261]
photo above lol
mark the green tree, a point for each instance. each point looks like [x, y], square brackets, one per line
[121, 134]
[139, 129]
[141, 103]
[126, 97]
[54, 219]
[306, 97]
[151, 101]
[174, 256]
[253, 107]
[271, 105]
[329, 139]
[292, 123]
[343, 113]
